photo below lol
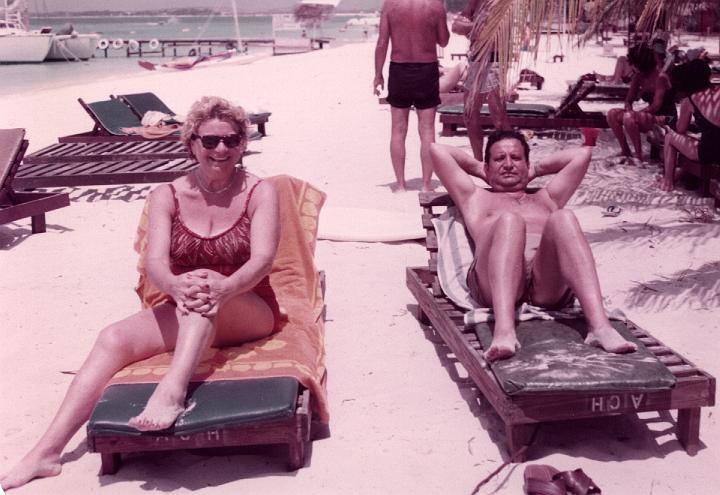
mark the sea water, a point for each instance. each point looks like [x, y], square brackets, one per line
[16, 78]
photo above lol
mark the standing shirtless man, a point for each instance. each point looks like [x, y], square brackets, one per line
[528, 247]
[483, 79]
[414, 28]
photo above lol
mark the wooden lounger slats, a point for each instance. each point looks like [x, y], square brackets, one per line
[130, 150]
[694, 388]
[127, 171]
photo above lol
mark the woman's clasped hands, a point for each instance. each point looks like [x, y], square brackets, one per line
[200, 291]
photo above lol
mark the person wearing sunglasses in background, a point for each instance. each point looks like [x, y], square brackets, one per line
[212, 238]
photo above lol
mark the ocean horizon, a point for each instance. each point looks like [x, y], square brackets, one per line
[18, 78]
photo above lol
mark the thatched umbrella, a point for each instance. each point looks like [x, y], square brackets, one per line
[313, 12]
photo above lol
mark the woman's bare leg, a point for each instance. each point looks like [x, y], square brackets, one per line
[245, 317]
[675, 143]
[137, 337]
[635, 124]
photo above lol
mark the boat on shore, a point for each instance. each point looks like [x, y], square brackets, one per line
[17, 44]
[69, 45]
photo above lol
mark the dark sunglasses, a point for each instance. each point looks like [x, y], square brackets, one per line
[210, 141]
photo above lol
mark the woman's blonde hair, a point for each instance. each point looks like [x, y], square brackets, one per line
[214, 107]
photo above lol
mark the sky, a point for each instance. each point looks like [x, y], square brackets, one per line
[244, 6]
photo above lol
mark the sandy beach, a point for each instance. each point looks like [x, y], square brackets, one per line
[404, 419]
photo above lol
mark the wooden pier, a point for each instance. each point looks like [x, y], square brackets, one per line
[187, 47]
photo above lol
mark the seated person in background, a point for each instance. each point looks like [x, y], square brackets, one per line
[452, 79]
[654, 87]
[212, 238]
[701, 100]
[622, 75]
[528, 248]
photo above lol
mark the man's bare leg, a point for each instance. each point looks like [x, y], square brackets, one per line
[563, 260]
[498, 113]
[426, 129]
[167, 402]
[472, 122]
[398, 133]
[140, 336]
[500, 275]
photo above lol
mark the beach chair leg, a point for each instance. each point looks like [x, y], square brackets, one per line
[517, 437]
[296, 452]
[261, 128]
[688, 429]
[448, 129]
[38, 223]
[109, 462]
[422, 316]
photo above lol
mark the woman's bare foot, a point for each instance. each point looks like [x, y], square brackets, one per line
[502, 347]
[609, 339]
[161, 411]
[33, 465]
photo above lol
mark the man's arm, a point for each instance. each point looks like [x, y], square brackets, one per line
[633, 91]
[443, 35]
[463, 23]
[454, 168]
[381, 48]
[570, 166]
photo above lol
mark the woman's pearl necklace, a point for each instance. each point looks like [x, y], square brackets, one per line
[210, 191]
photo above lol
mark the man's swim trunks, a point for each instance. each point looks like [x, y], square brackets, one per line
[414, 84]
[532, 242]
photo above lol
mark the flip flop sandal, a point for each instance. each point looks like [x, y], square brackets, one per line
[612, 211]
[578, 483]
[541, 480]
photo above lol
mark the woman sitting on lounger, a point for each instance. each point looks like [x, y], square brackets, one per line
[212, 239]
[653, 87]
[702, 101]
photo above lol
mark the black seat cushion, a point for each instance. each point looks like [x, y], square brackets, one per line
[553, 357]
[213, 404]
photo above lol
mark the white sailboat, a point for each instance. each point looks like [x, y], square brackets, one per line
[17, 44]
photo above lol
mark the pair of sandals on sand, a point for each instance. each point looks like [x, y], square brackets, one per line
[546, 480]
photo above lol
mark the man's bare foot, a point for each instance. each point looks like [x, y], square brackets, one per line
[607, 338]
[501, 347]
[398, 187]
[161, 411]
[31, 466]
[428, 188]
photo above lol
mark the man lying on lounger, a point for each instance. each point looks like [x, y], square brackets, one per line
[528, 248]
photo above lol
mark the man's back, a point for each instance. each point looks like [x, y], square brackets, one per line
[414, 29]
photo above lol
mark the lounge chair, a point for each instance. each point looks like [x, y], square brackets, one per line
[110, 117]
[140, 103]
[524, 401]
[605, 91]
[267, 392]
[16, 205]
[568, 115]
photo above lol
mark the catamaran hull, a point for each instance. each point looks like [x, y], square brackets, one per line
[18, 48]
[72, 47]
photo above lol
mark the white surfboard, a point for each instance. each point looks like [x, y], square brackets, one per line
[368, 225]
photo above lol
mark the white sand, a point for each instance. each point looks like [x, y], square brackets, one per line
[401, 421]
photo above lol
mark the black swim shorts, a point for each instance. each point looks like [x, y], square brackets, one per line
[414, 84]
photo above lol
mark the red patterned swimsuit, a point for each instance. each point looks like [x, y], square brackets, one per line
[224, 252]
